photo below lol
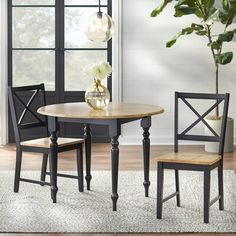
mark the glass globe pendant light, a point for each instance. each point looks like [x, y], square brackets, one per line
[100, 26]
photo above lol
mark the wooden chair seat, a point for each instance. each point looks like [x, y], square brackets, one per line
[189, 158]
[45, 142]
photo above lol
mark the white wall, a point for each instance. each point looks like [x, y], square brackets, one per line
[152, 72]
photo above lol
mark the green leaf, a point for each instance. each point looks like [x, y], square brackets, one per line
[213, 17]
[185, 31]
[208, 4]
[226, 37]
[183, 10]
[173, 40]
[197, 26]
[223, 17]
[199, 14]
[224, 58]
[199, 29]
[160, 8]
[228, 14]
[231, 13]
[225, 4]
[201, 32]
[215, 45]
[189, 3]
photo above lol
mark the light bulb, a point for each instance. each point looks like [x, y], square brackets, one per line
[100, 27]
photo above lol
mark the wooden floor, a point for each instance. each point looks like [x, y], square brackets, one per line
[130, 159]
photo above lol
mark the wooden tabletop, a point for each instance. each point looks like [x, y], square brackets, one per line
[112, 111]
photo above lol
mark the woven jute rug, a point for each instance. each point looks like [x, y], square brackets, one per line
[31, 210]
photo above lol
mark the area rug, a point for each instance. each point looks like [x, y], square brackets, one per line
[32, 211]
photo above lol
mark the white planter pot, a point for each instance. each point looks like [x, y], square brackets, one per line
[229, 136]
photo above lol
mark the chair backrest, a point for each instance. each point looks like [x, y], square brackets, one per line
[36, 95]
[218, 98]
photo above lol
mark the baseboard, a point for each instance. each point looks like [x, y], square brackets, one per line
[156, 140]
[135, 140]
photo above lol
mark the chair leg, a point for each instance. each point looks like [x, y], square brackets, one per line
[49, 164]
[177, 187]
[207, 182]
[80, 168]
[17, 169]
[44, 168]
[160, 182]
[220, 185]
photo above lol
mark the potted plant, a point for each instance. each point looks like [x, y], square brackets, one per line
[208, 13]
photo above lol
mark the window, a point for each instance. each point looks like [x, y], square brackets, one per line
[47, 44]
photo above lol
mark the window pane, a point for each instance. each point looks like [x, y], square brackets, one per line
[33, 27]
[33, 2]
[84, 2]
[34, 67]
[75, 23]
[76, 78]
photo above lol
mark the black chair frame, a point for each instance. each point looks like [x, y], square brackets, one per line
[19, 124]
[219, 98]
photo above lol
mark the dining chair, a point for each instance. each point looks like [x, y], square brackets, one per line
[204, 162]
[21, 121]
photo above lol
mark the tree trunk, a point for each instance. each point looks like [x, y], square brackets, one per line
[217, 88]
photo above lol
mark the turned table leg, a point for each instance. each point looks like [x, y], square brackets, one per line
[114, 131]
[114, 170]
[52, 126]
[88, 140]
[146, 124]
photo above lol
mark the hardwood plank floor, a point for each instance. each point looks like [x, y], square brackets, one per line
[130, 159]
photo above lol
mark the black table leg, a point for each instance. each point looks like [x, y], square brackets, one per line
[52, 126]
[114, 170]
[146, 124]
[114, 131]
[88, 140]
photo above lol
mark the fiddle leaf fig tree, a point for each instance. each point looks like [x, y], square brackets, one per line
[208, 12]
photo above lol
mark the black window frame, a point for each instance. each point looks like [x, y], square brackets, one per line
[60, 49]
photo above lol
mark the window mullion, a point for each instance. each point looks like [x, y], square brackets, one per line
[59, 55]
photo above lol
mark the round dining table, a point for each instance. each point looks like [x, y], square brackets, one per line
[114, 116]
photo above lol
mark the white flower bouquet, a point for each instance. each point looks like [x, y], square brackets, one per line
[98, 96]
[101, 71]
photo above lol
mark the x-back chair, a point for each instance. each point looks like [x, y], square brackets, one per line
[191, 161]
[41, 145]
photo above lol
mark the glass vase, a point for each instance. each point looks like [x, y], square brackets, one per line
[97, 96]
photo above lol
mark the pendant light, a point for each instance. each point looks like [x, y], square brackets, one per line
[100, 26]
